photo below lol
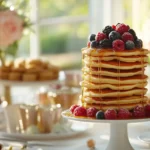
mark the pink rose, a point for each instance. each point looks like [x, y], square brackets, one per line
[11, 27]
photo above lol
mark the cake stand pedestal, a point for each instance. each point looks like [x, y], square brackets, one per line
[118, 131]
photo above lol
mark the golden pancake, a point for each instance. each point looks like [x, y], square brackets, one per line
[105, 107]
[115, 100]
[113, 93]
[143, 58]
[115, 80]
[111, 72]
[90, 85]
[115, 64]
[111, 52]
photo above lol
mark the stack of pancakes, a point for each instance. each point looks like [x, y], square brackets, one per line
[113, 79]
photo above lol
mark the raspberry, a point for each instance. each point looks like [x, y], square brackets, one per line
[91, 112]
[111, 114]
[139, 112]
[114, 27]
[121, 28]
[80, 111]
[124, 114]
[127, 36]
[73, 107]
[147, 110]
[100, 36]
[118, 45]
[88, 44]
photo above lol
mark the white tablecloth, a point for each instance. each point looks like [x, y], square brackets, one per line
[100, 133]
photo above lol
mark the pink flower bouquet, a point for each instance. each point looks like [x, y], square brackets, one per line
[11, 28]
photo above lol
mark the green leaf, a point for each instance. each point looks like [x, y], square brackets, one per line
[12, 49]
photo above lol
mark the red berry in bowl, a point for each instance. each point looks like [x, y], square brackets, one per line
[147, 110]
[127, 36]
[91, 112]
[121, 28]
[88, 44]
[124, 114]
[118, 45]
[100, 36]
[73, 107]
[110, 114]
[139, 112]
[80, 111]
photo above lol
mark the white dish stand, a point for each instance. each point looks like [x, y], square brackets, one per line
[118, 131]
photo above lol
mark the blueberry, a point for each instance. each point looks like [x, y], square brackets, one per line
[106, 43]
[92, 37]
[107, 30]
[138, 43]
[133, 33]
[129, 45]
[100, 115]
[94, 44]
[113, 35]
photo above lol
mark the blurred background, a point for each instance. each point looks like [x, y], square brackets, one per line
[60, 29]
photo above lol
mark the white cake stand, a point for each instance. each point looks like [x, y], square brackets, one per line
[118, 131]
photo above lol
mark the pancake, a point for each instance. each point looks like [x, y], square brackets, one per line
[115, 80]
[105, 107]
[115, 64]
[111, 72]
[143, 58]
[111, 52]
[108, 101]
[90, 85]
[113, 93]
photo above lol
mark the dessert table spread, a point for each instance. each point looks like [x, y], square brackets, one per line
[100, 134]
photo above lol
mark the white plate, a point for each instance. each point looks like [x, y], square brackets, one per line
[103, 120]
[76, 130]
[145, 137]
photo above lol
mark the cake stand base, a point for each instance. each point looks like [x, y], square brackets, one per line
[118, 131]
[119, 137]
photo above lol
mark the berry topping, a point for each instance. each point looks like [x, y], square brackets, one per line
[118, 45]
[92, 37]
[73, 107]
[94, 44]
[107, 30]
[113, 35]
[114, 27]
[139, 112]
[131, 31]
[100, 115]
[88, 44]
[106, 43]
[138, 43]
[147, 110]
[110, 114]
[100, 36]
[124, 113]
[80, 111]
[91, 112]
[129, 45]
[127, 36]
[121, 28]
